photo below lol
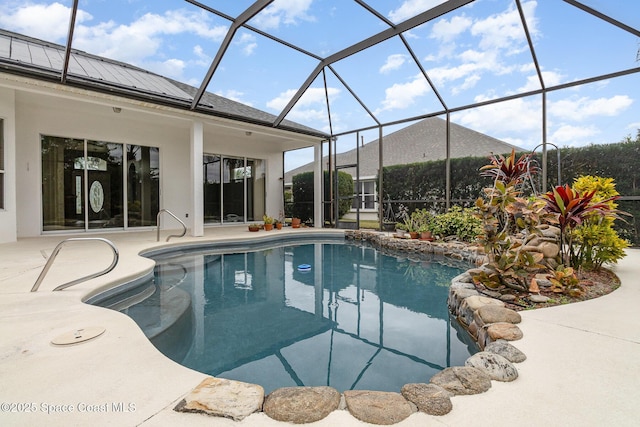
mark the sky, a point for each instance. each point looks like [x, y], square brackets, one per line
[476, 53]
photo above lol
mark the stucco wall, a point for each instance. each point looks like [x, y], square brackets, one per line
[8, 215]
[49, 114]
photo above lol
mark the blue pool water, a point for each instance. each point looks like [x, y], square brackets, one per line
[356, 319]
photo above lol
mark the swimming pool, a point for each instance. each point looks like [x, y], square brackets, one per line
[355, 318]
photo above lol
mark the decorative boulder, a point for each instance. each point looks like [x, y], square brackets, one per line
[301, 405]
[462, 380]
[495, 366]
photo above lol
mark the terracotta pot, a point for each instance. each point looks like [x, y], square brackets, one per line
[413, 234]
[426, 235]
[279, 226]
[295, 222]
[268, 227]
[254, 228]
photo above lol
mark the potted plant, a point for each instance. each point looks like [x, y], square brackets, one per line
[425, 233]
[411, 225]
[278, 224]
[295, 222]
[254, 227]
[400, 230]
[268, 222]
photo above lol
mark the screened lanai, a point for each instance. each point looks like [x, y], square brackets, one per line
[534, 74]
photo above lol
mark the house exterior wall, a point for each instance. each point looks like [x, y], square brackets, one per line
[8, 215]
[46, 111]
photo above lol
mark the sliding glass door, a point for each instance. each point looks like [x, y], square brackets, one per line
[63, 195]
[234, 189]
[143, 185]
[103, 166]
[83, 184]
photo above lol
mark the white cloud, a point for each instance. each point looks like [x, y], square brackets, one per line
[202, 58]
[393, 62]
[234, 95]
[45, 21]
[135, 43]
[516, 121]
[312, 96]
[572, 136]
[634, 126]
[550, 78]
[403, 95]
[287, 12]
[144, 37]
[248, 43]
[278, 103]
[411, 8]
[498, 36]
[584, 108]
[170, 68]
[468, 83]
[311, 108]
[446, 30]
[501, 31]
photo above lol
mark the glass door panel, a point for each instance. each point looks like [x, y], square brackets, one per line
[143, 185]
[233, 170]
[104, 171]
[63, 203]
[255, 176]
[212, 189]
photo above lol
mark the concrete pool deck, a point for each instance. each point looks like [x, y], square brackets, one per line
[582, 367]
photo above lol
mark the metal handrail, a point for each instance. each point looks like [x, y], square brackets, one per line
[184, 227]
[54, 254]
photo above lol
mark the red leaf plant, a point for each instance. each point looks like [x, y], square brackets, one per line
[570, 209]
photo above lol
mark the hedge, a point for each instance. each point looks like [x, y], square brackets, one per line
[302, 206]
[423, 185]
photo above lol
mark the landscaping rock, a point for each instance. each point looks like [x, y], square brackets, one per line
[223, 398]
[463, 277]
[457, 295]
[462, 380]
[505, 331]
[491, 294]
[301, 405]
[538, 299]
[549, 250]
[508, 298]
[429, 398]
[542, 280]
[506, 350]
[378, 407]
[495, 366]
[473, 330]
[495, 314]
[551, 232]
[472, 303]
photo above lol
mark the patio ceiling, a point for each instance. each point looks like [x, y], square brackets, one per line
[333, 67]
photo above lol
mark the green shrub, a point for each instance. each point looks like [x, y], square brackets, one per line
[597, 240]
[458, 222]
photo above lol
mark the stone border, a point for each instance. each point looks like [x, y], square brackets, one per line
[487, 320]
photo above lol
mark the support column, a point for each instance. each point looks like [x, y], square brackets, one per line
[196, 151]
[317, 186]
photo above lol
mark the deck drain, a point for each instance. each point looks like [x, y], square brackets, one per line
[78, 335]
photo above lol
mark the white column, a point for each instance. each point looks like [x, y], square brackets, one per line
[196, 149]
[317, 185]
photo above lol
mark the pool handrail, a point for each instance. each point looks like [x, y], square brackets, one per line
[184, 227]
[54, 254]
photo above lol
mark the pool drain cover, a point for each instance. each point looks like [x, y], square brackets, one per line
[78, 335]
